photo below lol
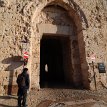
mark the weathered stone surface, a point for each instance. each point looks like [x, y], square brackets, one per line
[22, 19]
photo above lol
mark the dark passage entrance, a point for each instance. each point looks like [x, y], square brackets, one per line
[51, 62]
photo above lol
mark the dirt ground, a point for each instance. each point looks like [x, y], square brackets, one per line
[48, 97]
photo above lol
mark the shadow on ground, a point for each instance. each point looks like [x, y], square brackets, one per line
[4, 98]
[8, 97]
[2, 105]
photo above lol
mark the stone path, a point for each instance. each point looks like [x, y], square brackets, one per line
[59, 98]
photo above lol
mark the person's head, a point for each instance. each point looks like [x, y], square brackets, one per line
[25, 70]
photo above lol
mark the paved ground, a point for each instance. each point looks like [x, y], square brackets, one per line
[59, 98]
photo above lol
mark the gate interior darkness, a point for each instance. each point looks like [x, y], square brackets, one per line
[52, 62]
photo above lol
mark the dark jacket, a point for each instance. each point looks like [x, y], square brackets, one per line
[27, 80]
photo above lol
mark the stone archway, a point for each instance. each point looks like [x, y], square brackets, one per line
[80, 74]
[59, 38]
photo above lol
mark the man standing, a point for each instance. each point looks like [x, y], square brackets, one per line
[23, 86]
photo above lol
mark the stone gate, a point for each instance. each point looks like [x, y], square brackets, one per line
[60, 35]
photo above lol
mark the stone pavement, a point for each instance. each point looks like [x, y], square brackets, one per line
[84, 103]
[59, 98]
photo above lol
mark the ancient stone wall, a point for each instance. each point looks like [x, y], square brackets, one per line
[19, 20]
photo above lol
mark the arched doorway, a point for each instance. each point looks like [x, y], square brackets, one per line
[52, 64]
[59, 18]
[59, 51]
